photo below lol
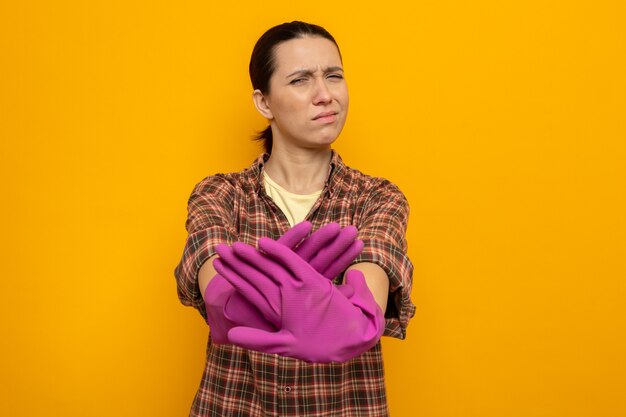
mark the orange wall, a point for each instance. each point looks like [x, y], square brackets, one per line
[503, 122]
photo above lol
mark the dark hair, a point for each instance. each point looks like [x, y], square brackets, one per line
[262, 61]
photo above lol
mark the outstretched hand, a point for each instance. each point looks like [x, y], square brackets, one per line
[319, 322]
[330, 249]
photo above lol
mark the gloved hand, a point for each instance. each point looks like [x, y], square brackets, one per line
[331, 249]
[224, 311]
[319, 323]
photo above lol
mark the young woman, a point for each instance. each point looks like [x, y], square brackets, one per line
[285, 339]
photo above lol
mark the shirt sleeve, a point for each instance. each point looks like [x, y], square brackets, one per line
[382, 228]
[210, 221]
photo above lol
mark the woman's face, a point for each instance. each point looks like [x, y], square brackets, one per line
[308, 95]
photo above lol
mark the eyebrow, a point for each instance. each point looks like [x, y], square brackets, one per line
[309, 72]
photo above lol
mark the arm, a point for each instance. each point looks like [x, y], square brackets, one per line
[210, 222]
[382, 221]
[206, 273]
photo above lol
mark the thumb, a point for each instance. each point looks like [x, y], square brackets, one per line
[261, 340]
[364, 299]
[346, 290]
[318, 240]
[355, 279]
[240, 311]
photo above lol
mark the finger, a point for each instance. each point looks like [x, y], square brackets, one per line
[260, 340]
[268, 267]
[265, 301]
[327, 254]
[344, 238]
[343, 261]
[250, 292]
[248, 263]
[318, 240]
[340, 244]
[291, 262]
[258, 285]
[294, 236]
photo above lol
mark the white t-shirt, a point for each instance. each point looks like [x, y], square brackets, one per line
[294, 206]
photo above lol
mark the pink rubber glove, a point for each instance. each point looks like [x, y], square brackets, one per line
[319, 323]
[331, 249]
[224, 311]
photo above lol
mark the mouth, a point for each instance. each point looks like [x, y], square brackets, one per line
[327, 116]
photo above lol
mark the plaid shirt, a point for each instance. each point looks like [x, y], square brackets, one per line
[226, 208]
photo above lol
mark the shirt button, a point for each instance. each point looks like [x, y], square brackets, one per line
[287, 389]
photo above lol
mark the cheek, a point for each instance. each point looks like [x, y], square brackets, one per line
[282, 108]
[293, 102]
[342, 95]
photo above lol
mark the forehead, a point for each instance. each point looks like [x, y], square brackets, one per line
[305, 53]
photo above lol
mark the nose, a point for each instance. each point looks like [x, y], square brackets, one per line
[322, 94]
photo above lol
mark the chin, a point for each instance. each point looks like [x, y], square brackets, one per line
[328, 141]
[319, 144]
[329, 137]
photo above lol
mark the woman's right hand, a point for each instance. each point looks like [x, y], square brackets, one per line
[329, 250]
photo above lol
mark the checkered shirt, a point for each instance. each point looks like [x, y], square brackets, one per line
[227, 208]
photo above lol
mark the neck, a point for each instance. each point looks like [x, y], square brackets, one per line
[299, 171]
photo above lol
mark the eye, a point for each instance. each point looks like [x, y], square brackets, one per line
[335, 76]
[297, 81]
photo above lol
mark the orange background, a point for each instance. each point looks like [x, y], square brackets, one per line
[503, 123]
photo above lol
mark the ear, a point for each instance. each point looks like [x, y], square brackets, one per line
[261, 104]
